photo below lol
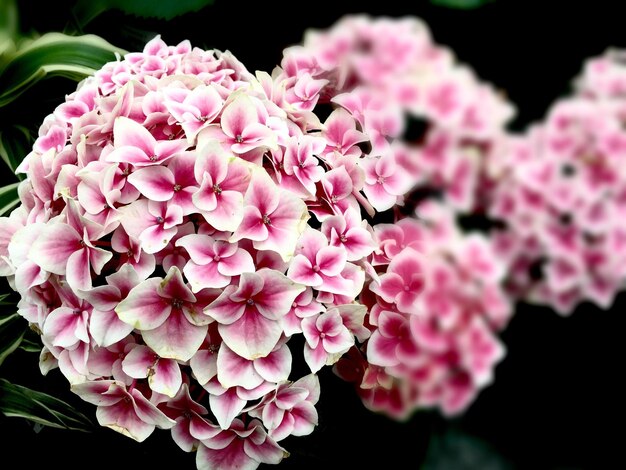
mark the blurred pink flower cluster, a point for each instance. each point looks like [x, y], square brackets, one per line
[183, 219]
[434, 310]
[560, 192]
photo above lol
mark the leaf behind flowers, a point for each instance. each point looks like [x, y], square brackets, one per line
[41, 408]
[8, 198]
[86, 10]
[12, 330]
[74, 57]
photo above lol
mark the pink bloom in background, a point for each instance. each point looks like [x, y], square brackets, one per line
[560, 194]
[436, 308]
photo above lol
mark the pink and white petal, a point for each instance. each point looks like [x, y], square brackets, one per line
[132, 155]
[54, 246]
[201, 429]
[106, 328]
[61, 327]
[266, 451]
[207, 100]
[283, 428]
[176, 338]
[310, 331]
[199, 247]
[167, 378]
[339, 285]
[212, 160]
[223, 309]
[149, 413]
[207, 276]
[29, 274]
[339, 343]
[144, 309]
[291, 323]
[154, 238]
[174, 287]
[223, 438]
[78, 273]
[226, 407]
[252, 336]
[231, 457]
[139, 362]
[205, 198]
[381, 351]
[378, 197]
[154, 182]
[204, 366]
[263, 193]
[182, 436]
[278, 294]
[128, 133]
[166, 149]
[272, 416]
[135, 218]
[228, 213]
[276, 366]
[98, 257]
[99, 392]
[239, 262]
[251, 226]
[331, 260]
[301, 271]
[238, 115]
[315, 358]
[288, 397]
[102, 297]
[311, 382]
[122, 418]
[391, 284]
[233, 370]
[305, 418]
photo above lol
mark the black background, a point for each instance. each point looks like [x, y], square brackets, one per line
[557, 401]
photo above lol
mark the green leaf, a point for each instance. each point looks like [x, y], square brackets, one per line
[15, 143]
[8, 21]
[86, 10]
[21, 402]
[455, 448]
[461, 4]
[12, 330]
[30, 345]
[74, 57]
[8, 198]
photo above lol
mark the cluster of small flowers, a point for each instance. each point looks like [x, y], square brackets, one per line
[426, 115]
[163, 251]
[561, 195]
[183, 218]
[434, 312]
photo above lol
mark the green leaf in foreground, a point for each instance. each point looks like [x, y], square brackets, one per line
[74, 57]
[8, 21]
[12, 330]
[461, 4]
[15, 143]
[8, 198]
[21, 402]
[86, 10]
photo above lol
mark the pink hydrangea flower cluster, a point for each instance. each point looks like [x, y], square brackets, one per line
[434, 312]
[561, 194]
[163, 250]
[386, 73]
[182, 219]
